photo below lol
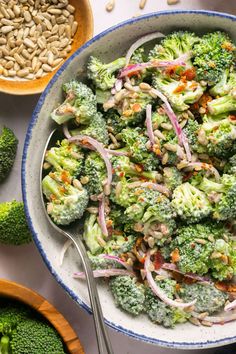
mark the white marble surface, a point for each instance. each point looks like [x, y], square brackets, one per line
[24, 264]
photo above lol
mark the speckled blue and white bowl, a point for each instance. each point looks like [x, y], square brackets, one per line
[109, 45]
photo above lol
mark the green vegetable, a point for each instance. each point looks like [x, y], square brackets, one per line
[13, 226]
[223, 104]
[8, 148]
[172, 177]
[95, 170]
[92, 234]
[225, 85]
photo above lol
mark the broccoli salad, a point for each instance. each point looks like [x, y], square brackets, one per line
[148, 163]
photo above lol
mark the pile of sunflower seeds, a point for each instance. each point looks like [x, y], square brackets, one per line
[35, 36]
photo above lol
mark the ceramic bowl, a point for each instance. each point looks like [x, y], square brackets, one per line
[15, 291]
[109, 45]
[83, 15]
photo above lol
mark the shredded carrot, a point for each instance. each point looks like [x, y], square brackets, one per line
[175, 256]
[180, 88]
[228, 46]
[136, 107]
[190, 74]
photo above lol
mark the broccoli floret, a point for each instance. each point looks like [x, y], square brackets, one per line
[120, 244]
[139, 56]
[190, 203]
[212, 55]
[80, 104]
[209, 299]
[67, 156]
[34, 336]
[98, 262]
[115, 122]
[174, 46]
[8, 148]
[224, 196]
[179, 94]
[192, 131]
[92, 234]
[202, 248]
[95, 170]
[230, 167]
[11, 314]
[223, 104]
[116, 215]
[128, 294]
[225, 85]
[5, 345]
[66, 202]
[123, 195]
[136, 145]
[102, 74]
[13, 226]
[97, 129]
[172, 177]
[161, 313]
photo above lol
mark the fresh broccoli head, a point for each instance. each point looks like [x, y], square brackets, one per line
[102, 74]
[67, 156]
[123, 194]
[223, 196]
[11, 314]
[172, 177]
[67, 203]
[212, 55]
[190, 203]
[92, 234]
[13, 226]
[194, 132]
[230, 167]
[209, 299]
[202, 248]
[95, 170]
[128, 294]
[161, 313]
[115, 121]
[225, 85]
[80, 104]
[120, 244]
[8, 148]
[223, 104]
[96, 129]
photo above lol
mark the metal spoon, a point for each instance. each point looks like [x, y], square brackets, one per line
[72, 233]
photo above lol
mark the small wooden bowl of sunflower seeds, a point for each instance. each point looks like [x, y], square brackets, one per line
[36, 37]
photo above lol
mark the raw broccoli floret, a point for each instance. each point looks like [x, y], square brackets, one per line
[13, 226]
[34, 336]
[230, 167]
[122, 194]
[96, 129]
[115, 122]
[192, 130]
[8, 148]
[212, 55]
[117, 216]
[80, 103]
[224, 192]
[128, 294]
[190, 203]
[92, 234]
[102, 74]
[120, 244]
[139, 56]
[136, 145]
[95, 170]
[172, 177]
[180, 94]
[161, 313]
[225, 85]
[223, 104]
[209, 299]
[67, 203]
[11, 314]
[203, 247]
[67, 156]
[98, 262]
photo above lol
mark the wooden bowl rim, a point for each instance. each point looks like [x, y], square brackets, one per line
[37, 86]
[31, 298]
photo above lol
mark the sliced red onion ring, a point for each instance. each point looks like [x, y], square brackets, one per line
[173, 267]
[64, 249]
[158, 291]
[147, 38]
[158, 187]
[83, 140]
[148, 123]
[226, 317]
[99, 273]
[102, 217]
[231, 306]
[116, 152]
[66, 131]
[116, 259]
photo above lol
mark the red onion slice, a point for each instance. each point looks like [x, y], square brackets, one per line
[116, 152]
[64, 249]
[116, 259]
[158, 187]
[102, 217]
[66, 131]
[231, 306]
[147, 38]
[226, 317]
[173, 267]
[84, 140]
[159, 292]
[148, 123]
[99, 273]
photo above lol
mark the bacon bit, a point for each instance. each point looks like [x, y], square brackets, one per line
[117, 232]
[127, 113]
[142, 260]
[121, 174]
[183, 79]
[171, 70]
[227, 287]
[62, 189]
[232, 117]
[190, 74]
[228, 46]
[180, 88]
[177, 287]
[175, 256]
[136, 107]
[196, 106]
[109, 223]
[158, 260]
[139, 168]
[204, 100]
[187, 176]
[65, 177]
[134, 73]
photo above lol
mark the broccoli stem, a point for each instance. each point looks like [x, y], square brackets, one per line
[5, 345]
[210, 186]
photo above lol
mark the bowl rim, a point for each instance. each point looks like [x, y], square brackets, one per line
[72, 294]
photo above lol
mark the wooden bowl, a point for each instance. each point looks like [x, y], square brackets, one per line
[83, 15]
[29, 297]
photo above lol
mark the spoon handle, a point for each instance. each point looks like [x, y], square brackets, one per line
[104, 344]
